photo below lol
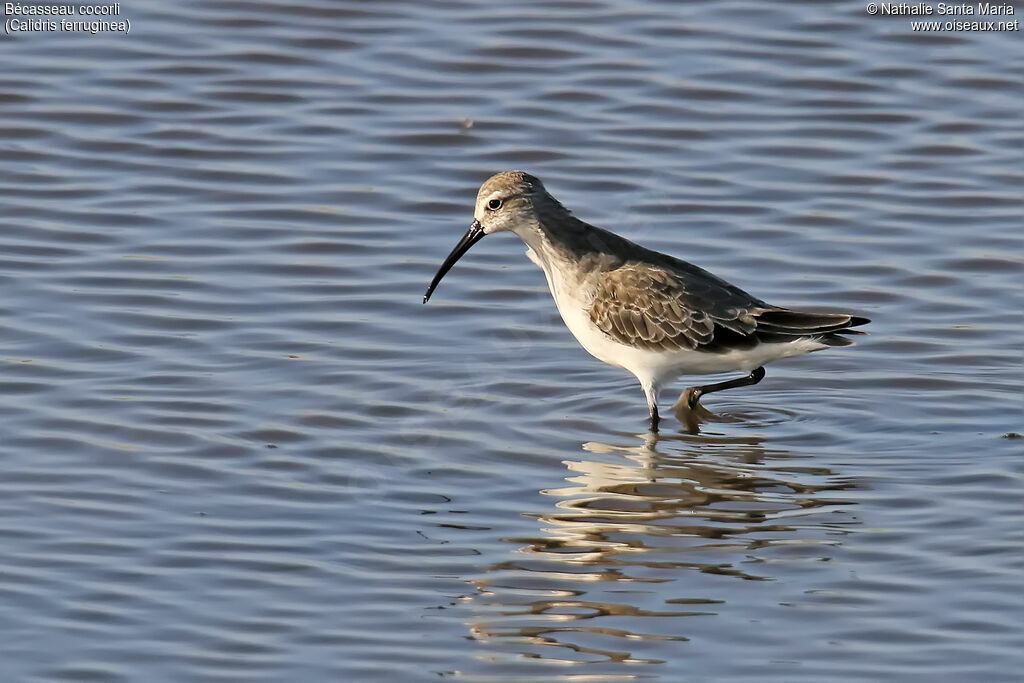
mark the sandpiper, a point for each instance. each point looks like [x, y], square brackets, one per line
[638, 309]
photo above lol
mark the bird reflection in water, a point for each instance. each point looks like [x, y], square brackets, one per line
[700, 511]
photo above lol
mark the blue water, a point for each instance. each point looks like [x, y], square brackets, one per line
[236, 446]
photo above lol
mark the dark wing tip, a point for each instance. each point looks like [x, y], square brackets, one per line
[801, 323]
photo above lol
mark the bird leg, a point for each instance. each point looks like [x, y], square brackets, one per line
[652, 404]
[693, 394]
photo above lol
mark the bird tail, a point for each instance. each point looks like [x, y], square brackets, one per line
[780, 325]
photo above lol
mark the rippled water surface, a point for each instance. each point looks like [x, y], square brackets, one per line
[236, 446]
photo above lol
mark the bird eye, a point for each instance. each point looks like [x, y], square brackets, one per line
[494, 204]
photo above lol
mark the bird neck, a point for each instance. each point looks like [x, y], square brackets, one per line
[556, 225]
[554, 243]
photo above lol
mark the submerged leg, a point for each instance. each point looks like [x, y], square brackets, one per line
[652, 405]
[693, 394]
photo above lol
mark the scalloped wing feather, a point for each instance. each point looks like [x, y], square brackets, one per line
[650, 307]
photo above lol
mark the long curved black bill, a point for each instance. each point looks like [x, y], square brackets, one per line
[472, 236]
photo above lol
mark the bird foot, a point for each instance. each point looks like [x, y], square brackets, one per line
[692, 414]
[691, 397]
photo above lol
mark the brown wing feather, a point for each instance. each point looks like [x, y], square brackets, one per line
[650, 307]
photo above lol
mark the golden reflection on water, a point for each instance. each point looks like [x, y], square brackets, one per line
[655, 512]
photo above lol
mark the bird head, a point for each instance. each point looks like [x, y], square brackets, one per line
[505, 202]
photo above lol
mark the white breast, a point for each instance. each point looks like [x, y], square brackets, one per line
[573, 305]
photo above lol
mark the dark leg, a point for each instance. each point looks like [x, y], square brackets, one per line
[693, 394]
[652, 404]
